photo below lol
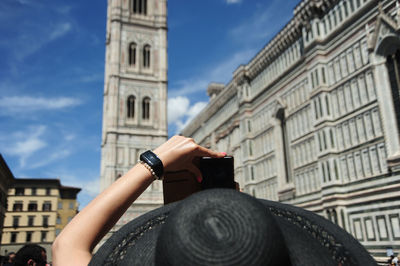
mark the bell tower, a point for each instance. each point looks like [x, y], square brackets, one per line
[135, 92]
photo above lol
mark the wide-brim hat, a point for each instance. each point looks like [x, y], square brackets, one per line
[226, 227]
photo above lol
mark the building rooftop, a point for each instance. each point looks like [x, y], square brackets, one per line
[67, 192]
[36, 182]
[5, 172]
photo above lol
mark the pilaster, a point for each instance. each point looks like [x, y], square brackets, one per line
[286, 190]
[387, 109]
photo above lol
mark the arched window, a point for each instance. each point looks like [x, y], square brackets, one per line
[146, 56]
[146, 108]
[131, 107]
[132, 54]
[139, 6]
[281, 117]
[393, 65]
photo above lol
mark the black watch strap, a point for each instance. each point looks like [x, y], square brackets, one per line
[152, 160]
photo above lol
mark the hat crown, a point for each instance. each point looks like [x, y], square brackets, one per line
[309, 238]
[222, 227]
[216, 228]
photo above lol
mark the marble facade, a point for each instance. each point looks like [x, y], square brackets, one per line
[313, 118]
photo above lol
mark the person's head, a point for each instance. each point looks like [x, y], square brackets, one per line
[32, 255]
[11, 257]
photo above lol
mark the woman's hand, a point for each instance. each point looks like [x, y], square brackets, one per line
[179, 153]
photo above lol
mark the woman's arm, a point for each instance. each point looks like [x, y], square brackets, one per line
[74, 244]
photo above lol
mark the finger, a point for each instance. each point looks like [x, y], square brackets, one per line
[201, 151]
[197, 173]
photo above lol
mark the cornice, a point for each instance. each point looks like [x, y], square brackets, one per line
[303, 13]
[309, 9]
[143, 131]
[226, 131]
[215, 105]
[290, 33]
[214, 89]
[145, 23]
[385, 26]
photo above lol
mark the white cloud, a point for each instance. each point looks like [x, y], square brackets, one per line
[181, 112]
[257, 30]
[192, 112]
[26, 143]
[92, 187]
[220, 72]
[60, 30]
[179, 125]
[24, 104]
[233, 1]
[37, 36]
[88, 182]
[69, 137]
[24, 2]
[59, 154]
[89, 186]
[27, 147]
[177, 108]
[196, 109]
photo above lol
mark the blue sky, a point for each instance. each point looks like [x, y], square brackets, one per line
[52, 71]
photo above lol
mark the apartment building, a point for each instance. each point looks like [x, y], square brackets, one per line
[67, 206]
[6, 180]
[34, 215]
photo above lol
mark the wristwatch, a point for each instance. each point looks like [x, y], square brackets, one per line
[153, 164]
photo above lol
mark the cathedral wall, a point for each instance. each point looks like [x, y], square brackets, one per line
[314, 119]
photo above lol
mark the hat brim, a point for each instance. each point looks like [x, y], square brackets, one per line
[310, 239]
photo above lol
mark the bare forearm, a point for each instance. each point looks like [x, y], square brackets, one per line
[75, 243]
[88, 227]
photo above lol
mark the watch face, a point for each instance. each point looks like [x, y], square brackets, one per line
[154, 162]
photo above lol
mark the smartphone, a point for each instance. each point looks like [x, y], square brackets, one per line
[216, 172]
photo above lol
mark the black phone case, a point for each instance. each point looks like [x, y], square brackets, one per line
[217, 172]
